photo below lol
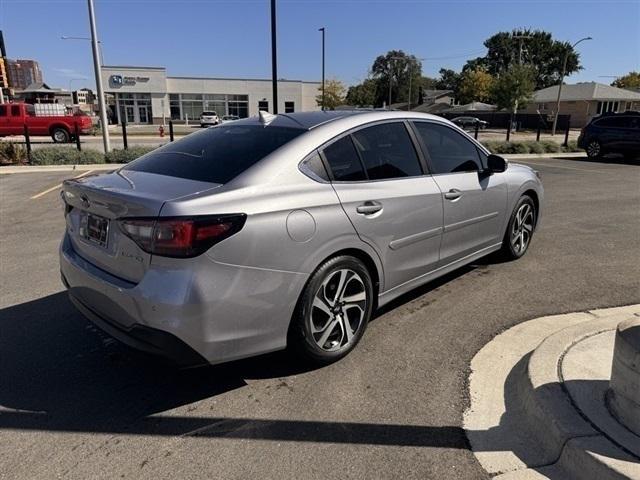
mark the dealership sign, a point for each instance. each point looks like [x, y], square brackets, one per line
[117, 81]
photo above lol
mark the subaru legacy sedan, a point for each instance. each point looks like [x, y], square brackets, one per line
[285, 231]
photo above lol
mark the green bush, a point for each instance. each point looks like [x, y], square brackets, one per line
[535, 147]
[65, 156]
[12, 153]
[125, 156]
[550, 146]
[529, 146]
[572, 146]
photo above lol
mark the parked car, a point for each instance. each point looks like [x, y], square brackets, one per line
[229, 118]
[612, 133]
[208, 119]
[286, 230]
[469, 122]
[62, 128]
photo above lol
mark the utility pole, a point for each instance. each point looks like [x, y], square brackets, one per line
[322, 30]
[564, 71]
[274, 60]
[410, 77]
[521, 38]
[391, 76]
[98, 72]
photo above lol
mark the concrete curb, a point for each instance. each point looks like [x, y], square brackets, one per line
[523, 422]
[554, 419]
[57, 168]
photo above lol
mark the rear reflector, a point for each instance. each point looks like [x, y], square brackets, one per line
[181, 236]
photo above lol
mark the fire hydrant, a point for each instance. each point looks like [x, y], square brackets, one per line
[161, 130]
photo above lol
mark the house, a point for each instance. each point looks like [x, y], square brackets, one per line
[40, 92]
[583, 101]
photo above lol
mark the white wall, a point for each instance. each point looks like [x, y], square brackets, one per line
[160, 86]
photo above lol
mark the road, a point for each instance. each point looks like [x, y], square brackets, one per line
[76, 404]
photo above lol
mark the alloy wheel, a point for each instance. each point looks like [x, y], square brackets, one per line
[338, 310]
[593, 149]
[522, 228]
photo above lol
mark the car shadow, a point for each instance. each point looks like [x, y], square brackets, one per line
[58, 372]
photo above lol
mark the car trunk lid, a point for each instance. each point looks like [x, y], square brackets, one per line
[96, 203]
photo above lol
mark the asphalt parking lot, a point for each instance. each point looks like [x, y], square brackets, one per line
[76, 404]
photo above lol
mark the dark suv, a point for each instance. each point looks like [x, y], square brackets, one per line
[612, 133]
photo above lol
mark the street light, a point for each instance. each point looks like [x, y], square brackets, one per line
[564, 70]
[274, 59]
[322, 30]
[98, 73]
[67, 37]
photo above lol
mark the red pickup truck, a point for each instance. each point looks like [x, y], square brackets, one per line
[14, 116]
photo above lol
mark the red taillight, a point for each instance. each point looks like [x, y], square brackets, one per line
[180, 236]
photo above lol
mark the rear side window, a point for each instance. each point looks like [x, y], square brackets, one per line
[343, 160]
[387, 151]
[15, 111]
[217, 154]
[3, 110]
[449, 151]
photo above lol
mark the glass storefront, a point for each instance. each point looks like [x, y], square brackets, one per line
[191, 105]
[134, 107]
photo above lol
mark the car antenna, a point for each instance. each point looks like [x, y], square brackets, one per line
[266, 118]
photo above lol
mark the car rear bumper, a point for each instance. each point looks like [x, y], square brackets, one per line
[143, 338]
[204, 311]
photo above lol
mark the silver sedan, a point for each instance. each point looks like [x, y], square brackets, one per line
[286, 230]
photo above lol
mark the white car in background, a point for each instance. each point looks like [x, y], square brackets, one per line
[229, 118]
[208, 119]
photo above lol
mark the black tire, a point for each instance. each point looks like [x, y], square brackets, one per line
[511, 250]
[307, 317]
[594, 149]
[60, 135]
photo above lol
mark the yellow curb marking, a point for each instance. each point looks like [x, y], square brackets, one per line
[56, 187]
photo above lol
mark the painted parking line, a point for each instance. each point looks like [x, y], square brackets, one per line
[528, 162]
[58, 186]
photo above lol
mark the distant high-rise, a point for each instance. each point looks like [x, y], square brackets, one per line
[23, 73]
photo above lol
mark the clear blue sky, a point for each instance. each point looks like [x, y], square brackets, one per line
[231, 38]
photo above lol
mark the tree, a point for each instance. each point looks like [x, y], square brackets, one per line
[449, 80]
[630, 80]
[334, 93]
[395, 73]
[514, 87]
[540, 50]
[363, 94]
[475, 86]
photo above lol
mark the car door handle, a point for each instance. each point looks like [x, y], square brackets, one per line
[368, 208]
[453, 194]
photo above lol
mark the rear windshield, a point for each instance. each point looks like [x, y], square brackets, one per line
[217, 154]
[211, 114]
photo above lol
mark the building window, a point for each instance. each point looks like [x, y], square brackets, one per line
[263, 106]
[289, 107]
[542, 106]
[604, 107]
[174, 106]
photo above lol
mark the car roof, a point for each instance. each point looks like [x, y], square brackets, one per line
[311, 120]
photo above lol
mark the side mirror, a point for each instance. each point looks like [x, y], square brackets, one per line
[496, 164]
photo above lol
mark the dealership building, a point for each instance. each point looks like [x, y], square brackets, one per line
[144, 95]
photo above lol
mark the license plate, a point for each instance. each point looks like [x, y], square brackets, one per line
[97, 229]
